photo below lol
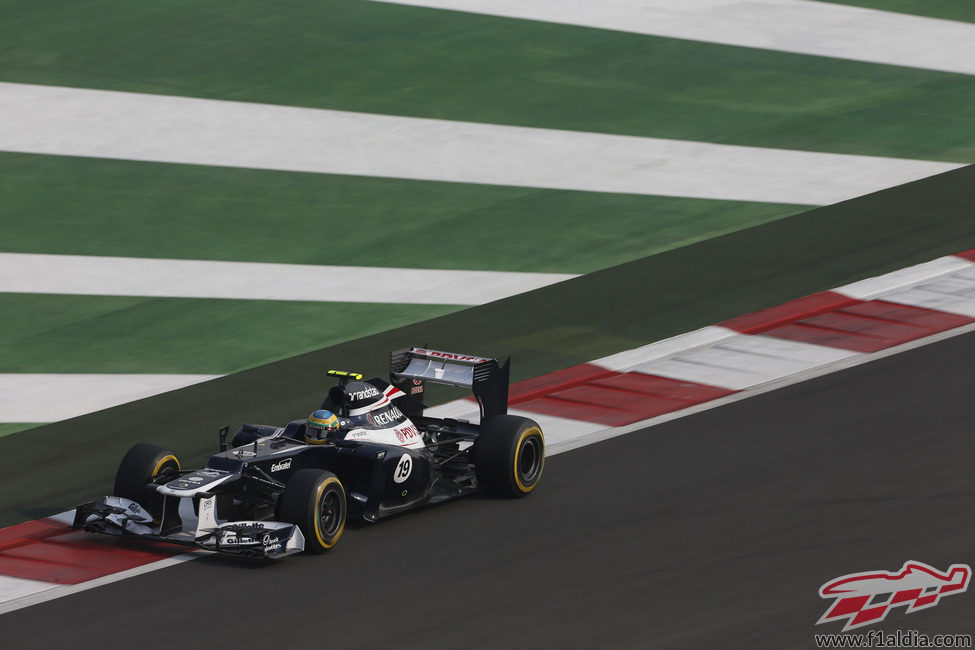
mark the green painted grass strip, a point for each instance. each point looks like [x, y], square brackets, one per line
[60, 333]
[6, 428]
[55, 204]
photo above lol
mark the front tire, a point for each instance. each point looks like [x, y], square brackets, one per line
[509, 455]
[143, 464]
[315, 501]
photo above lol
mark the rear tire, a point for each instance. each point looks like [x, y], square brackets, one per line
[315, 500]
[143, 464]
[509, 455]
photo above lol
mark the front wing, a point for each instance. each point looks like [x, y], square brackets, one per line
[113, 515]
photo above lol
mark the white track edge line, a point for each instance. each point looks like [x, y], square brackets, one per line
[878, 287]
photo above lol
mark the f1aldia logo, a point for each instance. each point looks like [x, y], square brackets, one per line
[866, 598]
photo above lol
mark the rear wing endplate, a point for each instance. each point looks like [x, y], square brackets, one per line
[410, 368]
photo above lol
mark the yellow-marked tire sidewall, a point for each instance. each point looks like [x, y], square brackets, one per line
[515, 466]
[162, 464]
[316, 514]
[499, 452]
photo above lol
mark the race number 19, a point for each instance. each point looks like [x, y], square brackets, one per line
[403, 469]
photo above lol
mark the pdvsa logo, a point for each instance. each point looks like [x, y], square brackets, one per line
[867, 598]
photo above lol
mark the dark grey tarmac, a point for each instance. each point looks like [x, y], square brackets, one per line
[711, 531]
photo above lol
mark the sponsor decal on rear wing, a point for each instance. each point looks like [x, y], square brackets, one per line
[410, 368]
[448, 356]
[438, 366]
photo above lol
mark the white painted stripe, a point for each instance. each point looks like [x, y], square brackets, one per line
[721, 357]
[127, 276]
[903, 278]
[108, 124]
[557, 430]
[629, 359]
[13, 589]
[458, 409]
[49, 397]
[953, 294]
[66, 518]
[797, 26]
[937, 300]
[744, 361]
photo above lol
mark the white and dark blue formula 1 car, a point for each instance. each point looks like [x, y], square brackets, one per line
[369, 452]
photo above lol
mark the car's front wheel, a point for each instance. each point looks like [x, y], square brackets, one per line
[315, 501]
[143, 464]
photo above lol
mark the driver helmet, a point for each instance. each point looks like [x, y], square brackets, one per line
[321, 425]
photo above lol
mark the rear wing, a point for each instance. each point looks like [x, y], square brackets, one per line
[411, 368]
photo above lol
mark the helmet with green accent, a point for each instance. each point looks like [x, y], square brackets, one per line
[321, 426]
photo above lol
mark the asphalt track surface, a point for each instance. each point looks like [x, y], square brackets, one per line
[715, 530]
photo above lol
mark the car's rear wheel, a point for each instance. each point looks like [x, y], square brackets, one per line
[509, 455]
[315, 501]
[143, 464]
